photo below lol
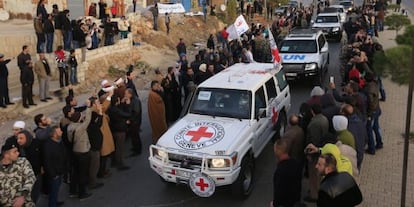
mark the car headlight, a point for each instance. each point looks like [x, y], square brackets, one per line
[218, 163]
[159, 153]
[335, 29]
[310, 66]
[223, 162]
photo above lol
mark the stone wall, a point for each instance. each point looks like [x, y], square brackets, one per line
[29, 6]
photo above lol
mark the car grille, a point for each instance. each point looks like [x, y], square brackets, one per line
[287, 67]
[179, 159]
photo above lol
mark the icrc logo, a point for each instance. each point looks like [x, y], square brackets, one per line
[199, 134]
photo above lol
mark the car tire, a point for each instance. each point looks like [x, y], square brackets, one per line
[244, 183]
[339, 38]
[318, 79]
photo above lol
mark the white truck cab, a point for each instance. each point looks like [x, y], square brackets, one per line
[228, 121]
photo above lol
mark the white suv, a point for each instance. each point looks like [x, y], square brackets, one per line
[330, 24]
[228, 121]
[304, 53]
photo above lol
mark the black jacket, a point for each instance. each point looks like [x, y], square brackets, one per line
[66, 26]
[94, 131]
[32, 152]
[4, 72]
[118, 116]
[26, 76]
[59, 18]
[339, 190]
[54, 158]
[48, 26]
[287, 183]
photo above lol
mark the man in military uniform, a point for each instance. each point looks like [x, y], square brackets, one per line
[16, 177]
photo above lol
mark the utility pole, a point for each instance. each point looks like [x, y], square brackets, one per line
[407, 129]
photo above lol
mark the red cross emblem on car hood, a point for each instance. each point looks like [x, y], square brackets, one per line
[200, 133]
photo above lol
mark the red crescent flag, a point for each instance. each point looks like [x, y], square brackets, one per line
[273, 47]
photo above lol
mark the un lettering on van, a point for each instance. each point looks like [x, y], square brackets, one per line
[293, 57]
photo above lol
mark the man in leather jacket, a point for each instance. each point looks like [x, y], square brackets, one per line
[337, 188]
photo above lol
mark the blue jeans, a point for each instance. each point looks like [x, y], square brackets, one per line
[374, 128]
[41, 40]
[73, 75]
[49, 42]
[67, 40]
[54, 185]
[95, 41]
[109, 40]
[75, 44]
[381, 88]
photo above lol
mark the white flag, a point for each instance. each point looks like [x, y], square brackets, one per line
[241, 25]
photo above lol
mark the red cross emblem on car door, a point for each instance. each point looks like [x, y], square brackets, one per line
[275, 114]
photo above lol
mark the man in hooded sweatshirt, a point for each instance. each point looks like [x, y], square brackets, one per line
[31, 149]
[340, 124]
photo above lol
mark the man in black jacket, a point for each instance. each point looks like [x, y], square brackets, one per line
[336, 189]
[96, 140]
[67, 31]
[287, 178]
[27, 79]
[31, 149]
[59, 18]
[54, 162]
[4, 86]
[134, 126]
[24, 58]
[50, 32]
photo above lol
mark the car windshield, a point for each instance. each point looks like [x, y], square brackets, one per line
[326, 19]
[298, 46]
[346, 4]
[222, 102]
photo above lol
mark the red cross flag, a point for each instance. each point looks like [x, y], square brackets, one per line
[273, 47]
[241, 25]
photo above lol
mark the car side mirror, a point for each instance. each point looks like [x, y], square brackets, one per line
[312, 21]
[324, 49]
[261, 113]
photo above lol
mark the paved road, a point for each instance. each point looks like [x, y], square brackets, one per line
[140, 186]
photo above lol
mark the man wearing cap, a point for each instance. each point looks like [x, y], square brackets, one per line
[16, 177]
[4, 86]
[17, 127]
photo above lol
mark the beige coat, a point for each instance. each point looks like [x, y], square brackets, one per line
[108, 145]
[39, 69]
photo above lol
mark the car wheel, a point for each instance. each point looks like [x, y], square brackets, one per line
[339, 38]
[243, 186]
[318, 79]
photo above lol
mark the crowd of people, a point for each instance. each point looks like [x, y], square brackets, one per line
[76, 33]
[74, 150]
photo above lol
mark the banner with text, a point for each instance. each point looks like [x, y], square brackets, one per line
[170, 8]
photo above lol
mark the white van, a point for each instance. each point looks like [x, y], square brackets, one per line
[228, 121]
